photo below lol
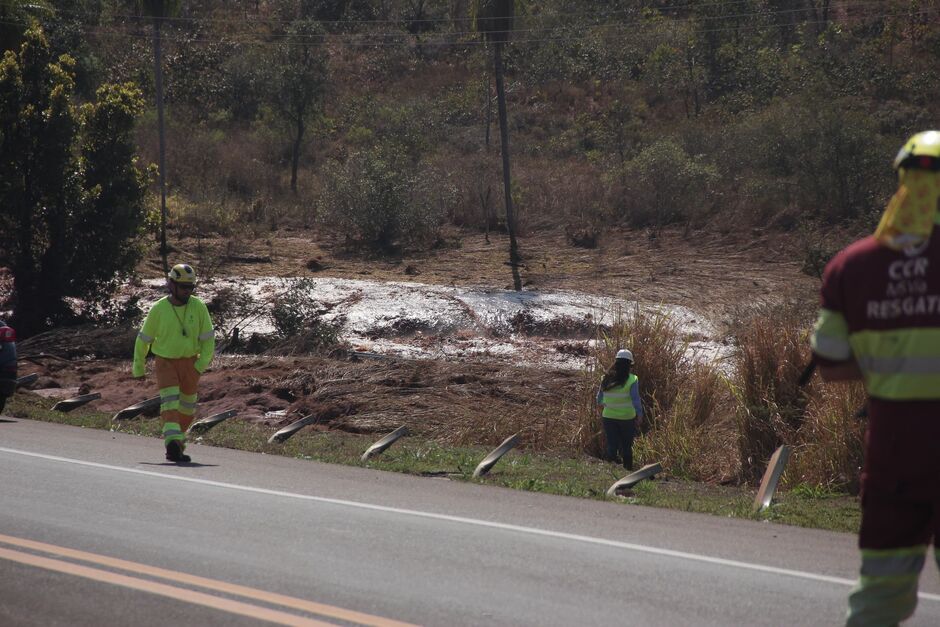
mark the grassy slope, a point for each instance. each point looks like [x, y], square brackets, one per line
[580, 477]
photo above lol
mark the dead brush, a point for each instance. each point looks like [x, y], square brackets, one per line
[540, 413]
[831, 443]
[690, 439]
[772, 347]
[661, 364]
[659, 352]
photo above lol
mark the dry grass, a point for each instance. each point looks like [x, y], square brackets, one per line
[772, 349]
[710, 425]
[829, 446]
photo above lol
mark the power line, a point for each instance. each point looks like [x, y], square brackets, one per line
[847, 4]
[367, 39]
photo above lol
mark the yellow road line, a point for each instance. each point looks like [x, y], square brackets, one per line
[211, 584]
[153, 587]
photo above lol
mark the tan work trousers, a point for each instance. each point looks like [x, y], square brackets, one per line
[178, 381]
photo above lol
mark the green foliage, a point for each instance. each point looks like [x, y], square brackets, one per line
[70, 182]
[381, 199]
[298, 319]
[160, 8]
[831, 154]
[663, 184]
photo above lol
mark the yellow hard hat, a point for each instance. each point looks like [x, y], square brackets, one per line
[182, 273]
[921, 152]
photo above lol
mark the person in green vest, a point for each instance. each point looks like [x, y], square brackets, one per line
[619, 394]
[178, 330]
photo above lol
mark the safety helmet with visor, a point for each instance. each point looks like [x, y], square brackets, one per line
[920, 152]
[182, 274]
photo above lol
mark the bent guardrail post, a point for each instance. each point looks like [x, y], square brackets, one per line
[646, 472]
[384, 443]
[136, 410]
[204, 424]
[69, 404]
[27, 379]
[292, 428]
[768, 485]
[490, 460]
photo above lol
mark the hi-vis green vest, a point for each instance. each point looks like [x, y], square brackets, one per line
[617, 401]
[175, 332]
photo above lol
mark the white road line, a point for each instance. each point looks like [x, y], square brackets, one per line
[800, 574]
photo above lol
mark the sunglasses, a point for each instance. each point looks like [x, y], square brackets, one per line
[185, 286]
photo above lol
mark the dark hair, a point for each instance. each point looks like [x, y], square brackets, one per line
[617, 375]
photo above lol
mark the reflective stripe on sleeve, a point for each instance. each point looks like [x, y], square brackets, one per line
[208, 335]
[143, 337]
[830, 336]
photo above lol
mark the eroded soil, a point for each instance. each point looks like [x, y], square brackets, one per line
[458, 401]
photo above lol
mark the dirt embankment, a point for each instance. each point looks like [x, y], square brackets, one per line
[458, 401]
[453, 402]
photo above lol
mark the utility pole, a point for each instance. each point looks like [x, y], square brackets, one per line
[158, 84]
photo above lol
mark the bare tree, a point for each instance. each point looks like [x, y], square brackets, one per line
[300, 74]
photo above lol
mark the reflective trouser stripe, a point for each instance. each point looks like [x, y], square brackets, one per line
[172, 431]
[187, 405]
[169, 398]
[893, 562]
[886, 592]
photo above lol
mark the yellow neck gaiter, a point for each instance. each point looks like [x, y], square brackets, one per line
[909, 218]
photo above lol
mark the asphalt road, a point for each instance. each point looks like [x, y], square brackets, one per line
[96, 530]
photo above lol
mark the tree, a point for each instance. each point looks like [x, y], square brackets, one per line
[494, 20]
[159, 10]
[299, 77]
[14, 18]
[69, 182]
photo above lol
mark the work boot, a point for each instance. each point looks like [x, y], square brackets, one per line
[174, 453]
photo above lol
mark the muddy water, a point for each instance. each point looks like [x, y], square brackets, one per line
[415, 320]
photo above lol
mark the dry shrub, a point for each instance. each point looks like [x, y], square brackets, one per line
[691, 440]
[831, 442]
[772, 348]
[571, 194]
[683, 400]
[659, 353]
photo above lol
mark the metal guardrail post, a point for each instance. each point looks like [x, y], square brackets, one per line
[291, 429]
[27, 379]
[136, 410]
[384, 443]
[490, 460]
[768, 485]
[69, 404]
[204, 424]
[646, 472]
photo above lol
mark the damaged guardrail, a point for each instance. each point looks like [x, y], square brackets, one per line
[490, 460]
[384, 443]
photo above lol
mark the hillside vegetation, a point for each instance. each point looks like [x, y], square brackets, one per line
[639, 112]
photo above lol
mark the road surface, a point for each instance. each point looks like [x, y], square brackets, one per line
[96, 529]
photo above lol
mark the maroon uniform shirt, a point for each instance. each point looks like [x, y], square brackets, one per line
[877, 288]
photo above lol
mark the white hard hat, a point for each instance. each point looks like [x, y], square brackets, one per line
[624, 354]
